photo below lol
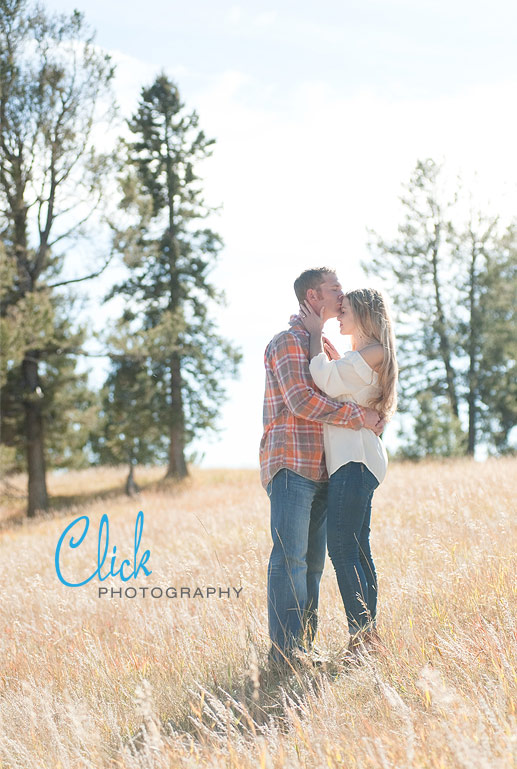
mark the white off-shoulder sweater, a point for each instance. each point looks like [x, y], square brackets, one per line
[349, 379]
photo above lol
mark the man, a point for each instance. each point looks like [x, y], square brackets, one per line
[293, 471]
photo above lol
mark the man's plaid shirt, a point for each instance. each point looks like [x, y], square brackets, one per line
[295, 409]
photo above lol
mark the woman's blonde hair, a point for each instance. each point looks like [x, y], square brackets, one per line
[373, 319]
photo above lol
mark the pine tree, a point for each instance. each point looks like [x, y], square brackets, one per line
[497, 371]
[41, 321]
[451, 274]
[417, 268]
[170, 256]
[130, 430]
[52, 81]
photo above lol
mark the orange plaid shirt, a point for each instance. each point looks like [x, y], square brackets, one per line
[295, 409]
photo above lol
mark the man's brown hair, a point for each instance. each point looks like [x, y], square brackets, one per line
[310, 279]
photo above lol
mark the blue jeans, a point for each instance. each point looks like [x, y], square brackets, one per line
[298, 529]
[350, 495]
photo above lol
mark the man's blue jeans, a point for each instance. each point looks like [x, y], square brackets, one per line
[350, 495]
[298, 529]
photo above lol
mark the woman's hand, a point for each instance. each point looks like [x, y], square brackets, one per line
[332, 353]
[313, 323]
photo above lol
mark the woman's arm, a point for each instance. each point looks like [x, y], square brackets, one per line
[328, 375]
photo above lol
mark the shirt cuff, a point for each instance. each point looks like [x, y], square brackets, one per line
[361, 415]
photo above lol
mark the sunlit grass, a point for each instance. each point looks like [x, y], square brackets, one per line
[156, 682]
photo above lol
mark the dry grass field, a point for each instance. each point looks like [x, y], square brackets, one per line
[151, 682]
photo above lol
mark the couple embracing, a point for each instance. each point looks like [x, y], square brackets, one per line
[321, 459]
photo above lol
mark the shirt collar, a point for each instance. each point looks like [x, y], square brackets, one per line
[295, 321]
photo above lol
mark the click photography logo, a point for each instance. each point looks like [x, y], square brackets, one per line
[125, 570]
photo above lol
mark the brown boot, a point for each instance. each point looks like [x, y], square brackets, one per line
[356, 650]
[374, 643]
[357, 642]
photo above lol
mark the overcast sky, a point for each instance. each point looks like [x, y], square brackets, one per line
[320, 112]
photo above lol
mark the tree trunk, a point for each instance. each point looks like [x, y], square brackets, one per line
[472, 435]
[441, 328]
[131, 485]
[472, 352]
[177, 465]
[38, 497]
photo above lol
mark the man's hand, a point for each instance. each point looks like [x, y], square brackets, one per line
[313, 323]
[379, 427]
[373, 421]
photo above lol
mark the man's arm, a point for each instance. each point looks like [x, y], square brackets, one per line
[289, 362]
[330, 376]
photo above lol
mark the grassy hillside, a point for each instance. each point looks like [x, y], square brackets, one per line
[179, 682]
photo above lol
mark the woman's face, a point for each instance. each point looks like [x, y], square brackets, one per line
[346, 318]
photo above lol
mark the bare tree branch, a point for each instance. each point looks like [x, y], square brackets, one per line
[78, 224]
[78, 280]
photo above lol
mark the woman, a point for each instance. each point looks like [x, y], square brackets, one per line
[356, 459]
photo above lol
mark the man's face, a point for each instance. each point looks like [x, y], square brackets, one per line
[328, 295]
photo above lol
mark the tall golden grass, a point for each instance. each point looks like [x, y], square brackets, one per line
[154, 682]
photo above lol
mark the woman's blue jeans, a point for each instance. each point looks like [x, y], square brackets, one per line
[298, 529]
[350, 494]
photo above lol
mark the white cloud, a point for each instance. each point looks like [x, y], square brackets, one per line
[265, 19]
[234, 14]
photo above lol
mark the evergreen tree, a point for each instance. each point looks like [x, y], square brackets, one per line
[451, 275]
[433, 432]
[130, 430]
[170, 256]
[497, 371]
[487, 289]
[417, 268]
[52, 83]
[40, 321]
